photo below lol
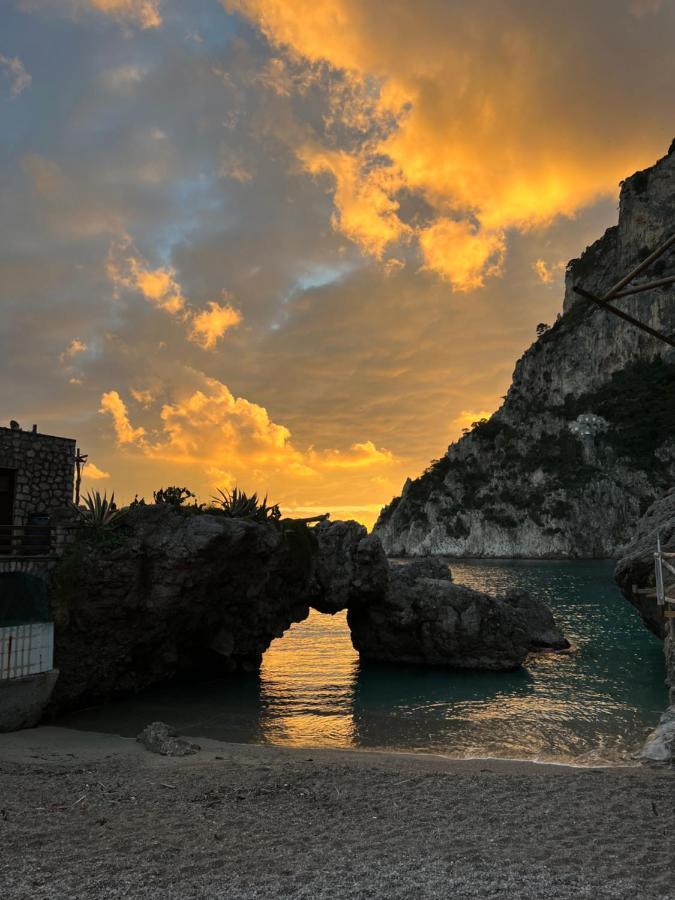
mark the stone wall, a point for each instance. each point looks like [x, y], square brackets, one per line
[45, 471]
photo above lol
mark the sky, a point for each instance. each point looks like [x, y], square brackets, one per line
[298, 246]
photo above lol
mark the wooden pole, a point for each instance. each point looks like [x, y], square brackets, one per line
[322, 518]
[640, 268]
[648, 286]
[80, 462]
[603, 304]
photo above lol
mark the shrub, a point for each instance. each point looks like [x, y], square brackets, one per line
[237, 505]
[560, 509]
[638, 403]
[490, 429]
[457, 527]
[99, 513]
[500, 517]
[173, 496]
[561, 457]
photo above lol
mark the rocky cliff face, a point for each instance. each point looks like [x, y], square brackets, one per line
[585, 439]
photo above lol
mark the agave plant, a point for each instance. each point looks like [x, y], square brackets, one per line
[237, 505]
[99, 513]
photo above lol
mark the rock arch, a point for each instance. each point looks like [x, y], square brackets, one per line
[188, 590]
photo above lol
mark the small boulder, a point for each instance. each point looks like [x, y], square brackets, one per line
[659, 748]
[158, 737]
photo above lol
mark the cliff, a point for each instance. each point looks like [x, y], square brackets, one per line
[585, 439]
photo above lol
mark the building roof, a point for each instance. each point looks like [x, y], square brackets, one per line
[56, 437]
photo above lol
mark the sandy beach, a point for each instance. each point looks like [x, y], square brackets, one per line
[90, 815]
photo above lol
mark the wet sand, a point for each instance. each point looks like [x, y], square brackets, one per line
[86, 815]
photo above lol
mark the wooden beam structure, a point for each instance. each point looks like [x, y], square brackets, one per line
[645, 264]
[603, 304]
[623, 289]
[646, 286]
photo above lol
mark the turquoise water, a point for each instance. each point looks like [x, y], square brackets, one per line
[593, 704]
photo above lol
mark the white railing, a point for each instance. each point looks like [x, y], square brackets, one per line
[663, 569]
[26, 649]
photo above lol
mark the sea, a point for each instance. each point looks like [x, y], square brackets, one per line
[592, 705]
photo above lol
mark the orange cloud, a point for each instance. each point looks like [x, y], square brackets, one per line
[482, 125]
[210, 325]
[144, 13]
[144, 397]
[547, 273]
[112, 403]
[128, 270]
[358, 456]
[93, 473]
[462, 254]
[76, 346]
[140, 13]
[229, 439]
[365, 209]
[158, 286]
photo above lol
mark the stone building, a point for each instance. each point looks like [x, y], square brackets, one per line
[37, 474]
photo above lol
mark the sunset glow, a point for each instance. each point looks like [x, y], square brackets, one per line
[292, 245]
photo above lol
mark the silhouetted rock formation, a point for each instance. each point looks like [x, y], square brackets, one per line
[351, 566]
[424, 618]
[175, 591]
[584, 440]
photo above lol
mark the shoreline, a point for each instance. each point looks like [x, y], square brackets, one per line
[483, 559]
[51, 742]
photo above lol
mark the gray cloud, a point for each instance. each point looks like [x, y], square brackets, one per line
[19, 79]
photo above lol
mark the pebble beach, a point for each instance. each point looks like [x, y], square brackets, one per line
[86, 815]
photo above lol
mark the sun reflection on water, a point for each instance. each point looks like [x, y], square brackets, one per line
[595, 702]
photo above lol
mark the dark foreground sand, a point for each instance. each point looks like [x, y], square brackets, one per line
[92, 816]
